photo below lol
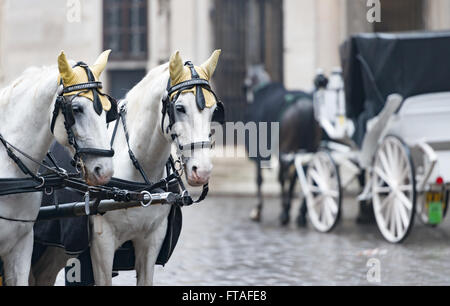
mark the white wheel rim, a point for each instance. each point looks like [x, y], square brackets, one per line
[422, 213]
[393, 190]
[324, 193]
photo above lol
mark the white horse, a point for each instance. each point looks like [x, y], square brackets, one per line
[146, 227]
[26, 108]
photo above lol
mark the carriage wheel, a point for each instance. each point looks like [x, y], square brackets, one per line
[324, 198]
[393, 189]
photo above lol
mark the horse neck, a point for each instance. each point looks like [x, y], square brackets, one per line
[25, 121]
[147, 141]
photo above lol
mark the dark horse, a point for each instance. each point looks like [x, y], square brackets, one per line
[299, 132]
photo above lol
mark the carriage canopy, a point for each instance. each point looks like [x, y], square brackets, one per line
[376, 65]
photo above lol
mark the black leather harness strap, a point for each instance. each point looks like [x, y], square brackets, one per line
[172, 172]
[195, 145]
[60, 178]
[17, 160]
[136, 164]
[83, 86]
[65, 107]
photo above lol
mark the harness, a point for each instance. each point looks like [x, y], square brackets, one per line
[117, 189]
[168, 107]
[168, 110]
[58, 176]
[174, 168]
[64, 105]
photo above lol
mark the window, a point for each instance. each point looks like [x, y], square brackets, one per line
[121, 81]
[125, 29]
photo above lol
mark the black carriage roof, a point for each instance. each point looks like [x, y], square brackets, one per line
[376, 65]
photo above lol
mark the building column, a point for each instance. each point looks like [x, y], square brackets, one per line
[329, 33]
[355, 17]
[299, 43]
[437, 14]
[2, 30]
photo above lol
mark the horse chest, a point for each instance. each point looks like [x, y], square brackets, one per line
[135, 221]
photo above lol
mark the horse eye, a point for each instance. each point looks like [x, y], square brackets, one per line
[180, 109]
[77, 109]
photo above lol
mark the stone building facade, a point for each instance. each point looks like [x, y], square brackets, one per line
[291, 37]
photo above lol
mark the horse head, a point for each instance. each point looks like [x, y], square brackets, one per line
[193, 110]
[256, 77]
[79, 122]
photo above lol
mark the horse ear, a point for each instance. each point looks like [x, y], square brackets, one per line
[100, 64]
[65, 70]
[176, 68]
[210, 65]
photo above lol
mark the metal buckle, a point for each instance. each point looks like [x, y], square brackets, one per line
[63, 172]
[180, 169]
[42, 182]
[86, 203]
[147, 203]
[48, 191]
[123, 106]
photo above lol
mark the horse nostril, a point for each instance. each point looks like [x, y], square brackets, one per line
[194, 169]
[98, 171]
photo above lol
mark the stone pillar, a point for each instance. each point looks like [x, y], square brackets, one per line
[355, 16]
[329, 33]
[203, 36]
[159, 34]
[299, 43]
[437, 14]
[2, 51]
[183, 28]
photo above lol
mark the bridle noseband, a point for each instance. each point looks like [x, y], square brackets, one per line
[64, 105]
[168, 108]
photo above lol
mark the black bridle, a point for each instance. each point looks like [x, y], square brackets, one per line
[64, 105]
[168, 108]
[59, 178]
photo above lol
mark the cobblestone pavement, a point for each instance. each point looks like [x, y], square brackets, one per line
[219, 245]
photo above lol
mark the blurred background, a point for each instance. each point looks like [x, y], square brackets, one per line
[292, 38]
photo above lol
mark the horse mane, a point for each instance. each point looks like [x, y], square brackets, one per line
[34, 78]
[152, 86]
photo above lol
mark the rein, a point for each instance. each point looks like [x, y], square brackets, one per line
[117, 189]
[174, 169]
[65, 107]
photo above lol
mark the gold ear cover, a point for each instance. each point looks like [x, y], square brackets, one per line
[176, 68]
[100, 64]
[74, 76]
[65, 70]
[179, 73]
[210, 65]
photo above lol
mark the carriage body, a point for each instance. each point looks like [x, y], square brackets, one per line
[424, 119]
[397, 92]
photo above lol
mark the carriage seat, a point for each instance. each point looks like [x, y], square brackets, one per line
[376, 127]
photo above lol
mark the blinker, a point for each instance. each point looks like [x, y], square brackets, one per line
[219, 114]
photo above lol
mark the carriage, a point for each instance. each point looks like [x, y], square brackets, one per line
[388, 130]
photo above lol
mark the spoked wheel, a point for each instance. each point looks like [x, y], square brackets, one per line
[324, 197]
[393, 189]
